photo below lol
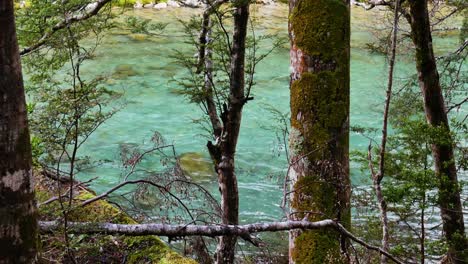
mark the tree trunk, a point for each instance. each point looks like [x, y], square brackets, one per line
[434, 107]
[320, 52]
[18, 215]
[224, 155]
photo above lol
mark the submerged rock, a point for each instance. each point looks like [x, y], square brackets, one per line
[177, 91]
[138, 37]
[197, 166]
[123, 71]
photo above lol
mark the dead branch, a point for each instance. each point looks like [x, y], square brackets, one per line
[120, 185]
[55, 176]
[205, 230]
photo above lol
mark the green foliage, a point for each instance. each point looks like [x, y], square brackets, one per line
[464, 29]
[68, 116]
[193, 86]
[37, 149]
[67, 106]
[125, 3]
[410, 185]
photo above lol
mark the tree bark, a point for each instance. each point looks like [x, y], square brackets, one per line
[18, 214]
[319, 31]
[436, 115]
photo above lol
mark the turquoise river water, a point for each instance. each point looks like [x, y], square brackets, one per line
[153, 106]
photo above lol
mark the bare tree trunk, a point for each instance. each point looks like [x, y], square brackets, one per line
[320, 48]
[434, 106]
[223, 151]
[18, 214]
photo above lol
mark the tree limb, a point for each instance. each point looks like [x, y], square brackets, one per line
[204, 230]
[89, 11]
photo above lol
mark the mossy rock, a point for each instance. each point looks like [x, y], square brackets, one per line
[197, 166]
[123, 71]
[100, 248]
[149, 249]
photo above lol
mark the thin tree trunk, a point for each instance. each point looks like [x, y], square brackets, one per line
[224, 152]
[434, 107]
[18, 214]
[377, 179]
[422, 240]
[320, 48]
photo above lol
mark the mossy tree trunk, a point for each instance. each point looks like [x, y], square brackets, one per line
[18, 214]
[320, 56]
[436, 115]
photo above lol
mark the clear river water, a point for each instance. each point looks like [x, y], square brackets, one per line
[152, 105]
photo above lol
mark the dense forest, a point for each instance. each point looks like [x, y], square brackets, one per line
[215, 131]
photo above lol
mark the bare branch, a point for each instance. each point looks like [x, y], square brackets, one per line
[118, 186]
[205, 230]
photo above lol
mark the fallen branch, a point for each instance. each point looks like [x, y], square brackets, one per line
[56, 176]
[204, 230]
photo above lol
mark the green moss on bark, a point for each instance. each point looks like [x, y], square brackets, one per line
[319, 120]
[317, 247]
[319, 107]
[320, 27]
